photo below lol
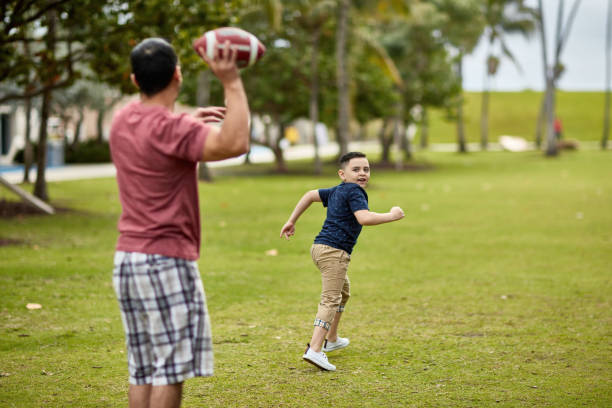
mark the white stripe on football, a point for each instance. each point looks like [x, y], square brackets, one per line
[250, 49]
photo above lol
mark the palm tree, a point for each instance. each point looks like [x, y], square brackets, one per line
[502, 17]
[462, 31]
[553, 72]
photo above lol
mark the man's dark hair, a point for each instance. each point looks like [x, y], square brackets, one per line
[153, 63]
[350, 155]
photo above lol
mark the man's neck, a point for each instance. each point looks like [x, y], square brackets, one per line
[164, 98]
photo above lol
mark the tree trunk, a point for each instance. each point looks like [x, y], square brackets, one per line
[40, 187]
[27, 151]
[279, 157]
[484, 119]
[606, 126]
[314, 97]
[77, 129]
[100, 124]
[461, 145]
[551, 140]
[424, 129]
[399, 133]
[342, 133]
[385, 143]
[540, 124]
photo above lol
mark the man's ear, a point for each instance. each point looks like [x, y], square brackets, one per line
[178, 75]
[341, 174]
[133, 78]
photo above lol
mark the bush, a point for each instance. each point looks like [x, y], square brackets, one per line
[20, 155]
[90, 151]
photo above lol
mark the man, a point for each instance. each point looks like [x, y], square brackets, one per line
[155, 276]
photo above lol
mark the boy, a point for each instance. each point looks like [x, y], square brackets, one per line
[347, 212]
[155, 275]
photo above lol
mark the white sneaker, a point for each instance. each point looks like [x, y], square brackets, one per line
[340, 343]
[318, 359]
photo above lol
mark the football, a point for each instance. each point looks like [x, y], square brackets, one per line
[250, 49]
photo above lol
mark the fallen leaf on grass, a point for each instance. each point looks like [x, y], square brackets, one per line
[33, 306]
[4, 374]
[43, 372]
[272, 252]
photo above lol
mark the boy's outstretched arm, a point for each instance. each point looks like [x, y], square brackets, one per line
[310, 197]
[366, 217]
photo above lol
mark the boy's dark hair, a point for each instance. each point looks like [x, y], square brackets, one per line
[350, 155]
[153, 63]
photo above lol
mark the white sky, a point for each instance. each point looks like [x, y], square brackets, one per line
[583, 55]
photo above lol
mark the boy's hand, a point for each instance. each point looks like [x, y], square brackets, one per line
[288, 230]
[397, 212]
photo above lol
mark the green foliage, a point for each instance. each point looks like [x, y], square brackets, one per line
[493, 291]
[126, 24]
[91, 151]
[464, 23]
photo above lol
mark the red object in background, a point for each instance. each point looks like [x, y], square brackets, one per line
[558, 126]
[250, 49]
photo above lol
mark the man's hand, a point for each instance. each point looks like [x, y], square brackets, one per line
[223, 63]
[397, 212]
[288, 230]
[211, 114]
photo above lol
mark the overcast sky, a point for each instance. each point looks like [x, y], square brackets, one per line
[583, 55]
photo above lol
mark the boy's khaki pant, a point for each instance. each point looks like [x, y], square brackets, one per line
[333, 264]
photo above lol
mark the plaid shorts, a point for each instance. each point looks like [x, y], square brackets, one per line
[164, 314]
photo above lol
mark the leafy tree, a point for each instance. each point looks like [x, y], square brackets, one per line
[312, 18]
[425, 66]
[462, 29]
[41, 42]
[342, 75]
[278, 84]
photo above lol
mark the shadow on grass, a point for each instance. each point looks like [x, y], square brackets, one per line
[16, 209]
[306, 168]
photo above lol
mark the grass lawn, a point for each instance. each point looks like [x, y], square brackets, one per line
[493, 291]
[516, 113]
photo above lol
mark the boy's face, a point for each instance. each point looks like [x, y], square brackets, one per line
[357, 171]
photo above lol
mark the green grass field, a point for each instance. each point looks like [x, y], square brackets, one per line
[516, 113]
[493, 291]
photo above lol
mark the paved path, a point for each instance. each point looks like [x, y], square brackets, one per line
[14, 174]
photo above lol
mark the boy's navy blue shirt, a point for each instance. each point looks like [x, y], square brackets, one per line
[341, 228]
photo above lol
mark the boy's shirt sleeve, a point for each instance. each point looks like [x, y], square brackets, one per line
[357, 199]
[324, 195]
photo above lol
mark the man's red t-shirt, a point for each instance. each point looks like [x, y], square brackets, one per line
[156, 152]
